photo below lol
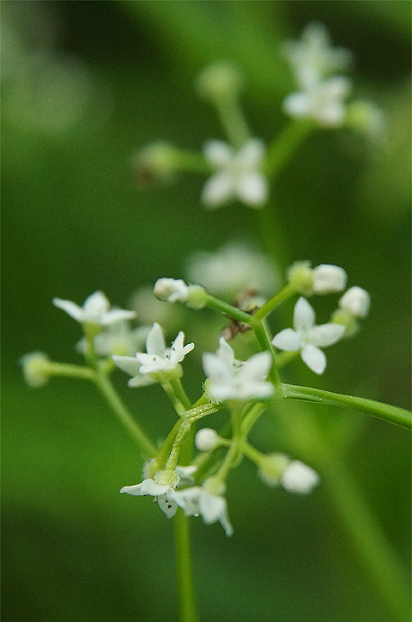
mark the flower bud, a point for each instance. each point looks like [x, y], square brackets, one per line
[219, 81]
[355, 301]
[214, 486]
[171, 290]
[156, 161]
[207, 439]
[271, 468]
[301, 278]
[298, 477]
[347, 320]
[328, 279]
[35, 368]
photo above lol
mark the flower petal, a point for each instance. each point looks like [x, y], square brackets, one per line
[252, 189]
[314, 358]
[218, 153]
[115, 315]
[129, 364]
[155, 343]
[256, 368]
[216, 369]
[251, 154]
[288, 339]
[70, 308]
[326, 334]
[300, 478]
[95, 305]
[218, 190]
[303, 316]
[167, 504]
[297, 105]
[225, 353]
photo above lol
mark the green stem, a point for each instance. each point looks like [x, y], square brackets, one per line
[264, 342]
[181, 393]
[233, 121]
[191, 162]
[373, 549]
[71, 371]
[285, 293]
[184, 569]
[392, 414]
[123, 414]
[230, 310]
[285, 144]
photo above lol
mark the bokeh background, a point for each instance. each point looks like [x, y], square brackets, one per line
[85, 84]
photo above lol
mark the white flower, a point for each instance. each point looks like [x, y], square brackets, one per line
[211, 507]
[313, 57]
[163, 493]
[323, 101]
[118, 339]
[298, 477]
[34, 368]
[238, 174]
[233, 268]
[356, 302]
[158, 357]
[307, 337]
[328, 278]
[230, 379]
[95, 310]
[171, 290]
[207, 439]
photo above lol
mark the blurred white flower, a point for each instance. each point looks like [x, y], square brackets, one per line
[298, 477]
[328, 279]
[232, 269]
[95, 310]
[157, 358]
[238, 174]
[355, 301]
[119, 339]
[172, 290]
[307, 337]
[313, 57]
[231, 380]
[322, 101]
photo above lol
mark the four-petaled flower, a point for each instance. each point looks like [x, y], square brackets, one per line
[95, 310]
[322, 101]
[307, 337]
[157, 358]
[238, 174]
[234, 380]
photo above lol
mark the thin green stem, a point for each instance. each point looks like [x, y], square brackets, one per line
[181, 393]
[264, 342]
[233, 121]
[392, 414]
[123, 415]
[285, 144]
[184, 569]
[71, 371]
[227, 309]
[285, 293]
[191, 162]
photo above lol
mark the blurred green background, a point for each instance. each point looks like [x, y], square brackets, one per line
[85, 84]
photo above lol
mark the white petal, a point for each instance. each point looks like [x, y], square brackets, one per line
[147, 487]
[115, 315]
[303, 316]
[189, 500]
[298, 477]
[314, 358]
[70, 308]
[252, 189]
[338, 87]
[355, 301]
[297, 105]
[216, 369]
[218, 190]
[211, 507]
[225, 353]
[218, 153]
[288, 339]
[152, 363]
[129, 364]
[167, 504]
[328, 278]
[256, 368]
[95, 305]
[155, 343]
[254, 389]
[326, 334]
[140, 380]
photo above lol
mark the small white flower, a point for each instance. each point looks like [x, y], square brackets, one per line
[158, 357]
[117, 339]
[355, 301]
[238, 175]
[163, 493]
[232, 269]
[211, 507]
[171, 290]
[95, 310]
[313, 58]
[307, 337]
[34, 368]
[207, 439]
[298, 477]
[231, 380]
[323, 101]
[328, 278]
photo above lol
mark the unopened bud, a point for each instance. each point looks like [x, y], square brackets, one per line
[207, 439]
[328, 279]
[35, 368]
[219, 81]
[355, 301]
